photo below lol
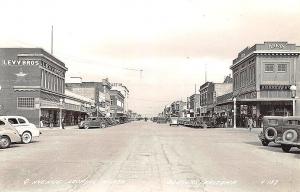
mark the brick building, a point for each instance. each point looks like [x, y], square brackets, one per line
[32, 84]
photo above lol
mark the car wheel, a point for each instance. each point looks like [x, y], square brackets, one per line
[265, 142]
[270, 133]
[86, 127]
[4, 142]
[26, 137]
[286, 148]
[102, 125]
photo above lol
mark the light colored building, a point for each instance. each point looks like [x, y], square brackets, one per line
[117, 103]
[97, 91]
[124, 91]
[263, 75]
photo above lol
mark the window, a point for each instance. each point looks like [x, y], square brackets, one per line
[281, 67]
[25, 102]
[269, 68]
[273, 121]
[13, 120]
[2, 123]
[21, 121]
[294, 122]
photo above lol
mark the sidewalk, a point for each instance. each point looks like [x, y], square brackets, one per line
[57, 128]
[253, 130]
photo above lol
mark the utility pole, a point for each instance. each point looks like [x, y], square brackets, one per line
[52, 40]
[140, 70]
[205, 66]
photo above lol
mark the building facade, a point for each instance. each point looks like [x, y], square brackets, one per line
[32, 84]
[262, 77]
[117, 104]
[209, 92]
[125, 92]
[178, 109]
[194, 105]
[97, 91]
[203, 98]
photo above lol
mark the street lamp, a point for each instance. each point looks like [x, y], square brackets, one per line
[293, 88]
[234, 112]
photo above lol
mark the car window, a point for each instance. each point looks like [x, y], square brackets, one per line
[293, 122]
[21, 121]
[13, 120]
[273, 121]
[2, 123]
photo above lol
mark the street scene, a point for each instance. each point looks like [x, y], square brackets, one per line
[145, 156]
[149, 96]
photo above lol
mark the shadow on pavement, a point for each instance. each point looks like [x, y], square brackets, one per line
[274, 147]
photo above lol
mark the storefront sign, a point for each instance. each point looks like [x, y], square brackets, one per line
[11, 62]
[276, 46]
[275, 87]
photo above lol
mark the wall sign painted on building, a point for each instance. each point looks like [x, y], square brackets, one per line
[275, 87]
[12, 62]
[277, 46]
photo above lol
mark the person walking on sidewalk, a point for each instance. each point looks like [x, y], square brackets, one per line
[250, 123]
[63, 123]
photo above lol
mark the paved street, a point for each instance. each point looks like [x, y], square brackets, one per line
[144, 157]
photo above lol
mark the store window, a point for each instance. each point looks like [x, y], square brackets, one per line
[281, 67]
[25, 102]
[269, 67]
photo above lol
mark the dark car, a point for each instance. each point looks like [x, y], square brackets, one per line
[290, 136]
[274, 128]
[92, 122]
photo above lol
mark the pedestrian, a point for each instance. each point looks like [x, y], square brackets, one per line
[63, 123]
[250, 123]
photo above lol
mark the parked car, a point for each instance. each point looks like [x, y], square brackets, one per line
[290, 136]
[174, 121]
[92, 122]
[27, 130]
[274, 128]
[8, 134]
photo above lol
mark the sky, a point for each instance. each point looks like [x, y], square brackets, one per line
[170, 40]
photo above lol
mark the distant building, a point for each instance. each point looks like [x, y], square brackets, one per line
[125, 92]
[117, 103]
[209, 92]
[194, 105]
[97, 91]
[178, 109]
[263, 75]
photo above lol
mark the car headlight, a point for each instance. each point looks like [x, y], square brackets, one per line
[289, 136]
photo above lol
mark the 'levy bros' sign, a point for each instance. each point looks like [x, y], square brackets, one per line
[275, 87]
[11, 62]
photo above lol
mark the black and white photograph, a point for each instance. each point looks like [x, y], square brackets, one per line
[149, 96]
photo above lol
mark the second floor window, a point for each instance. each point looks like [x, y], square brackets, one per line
[281, 67]
[269, 67]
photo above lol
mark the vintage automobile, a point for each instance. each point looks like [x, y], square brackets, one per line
[8, 134]
[274, 127]
[93, 122]
[290, 136]
[174, 121]
[27, 130]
